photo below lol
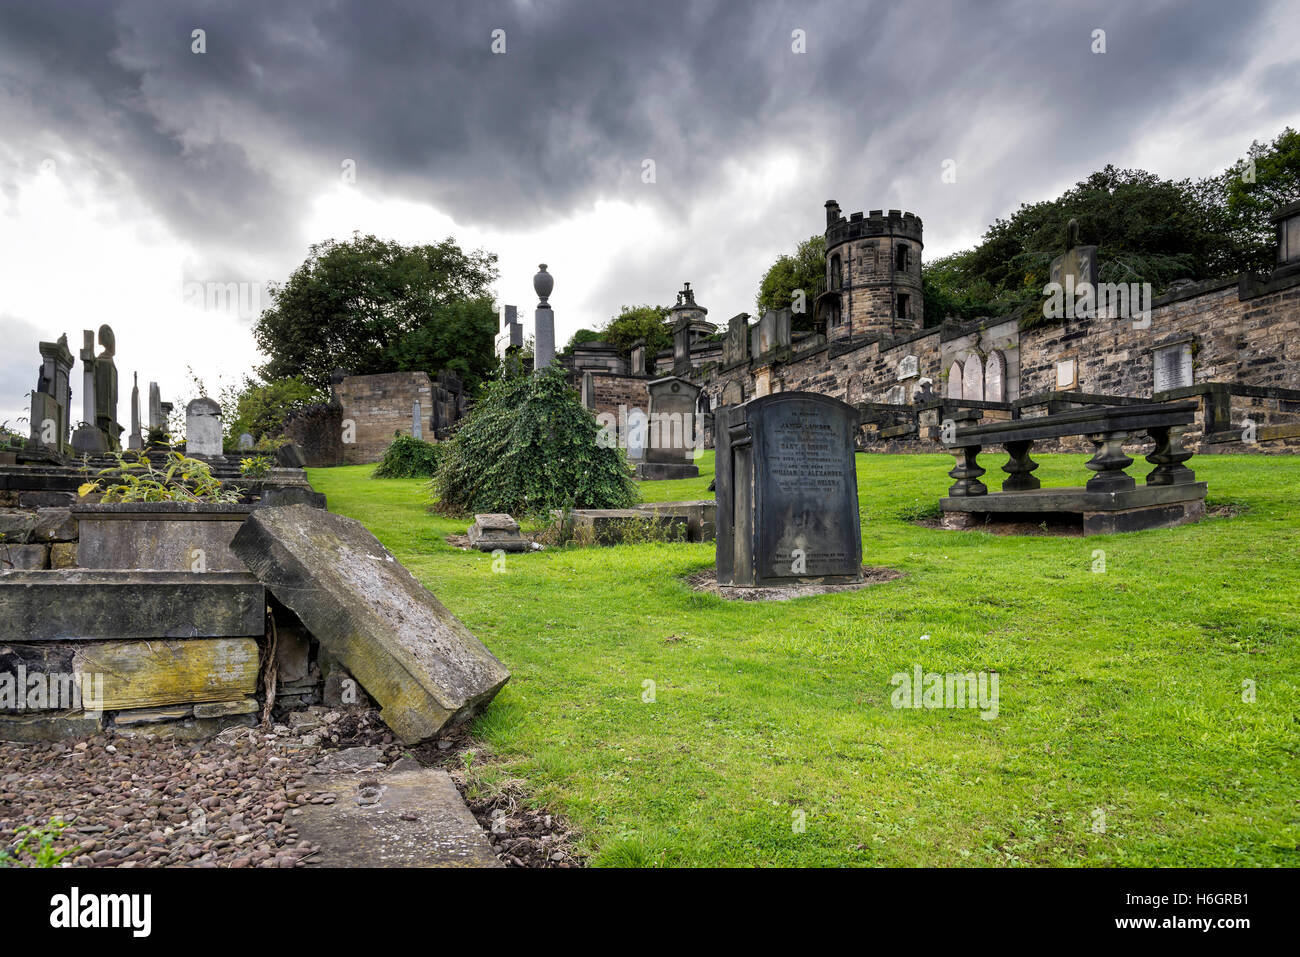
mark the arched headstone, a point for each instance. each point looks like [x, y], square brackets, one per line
[972, 379]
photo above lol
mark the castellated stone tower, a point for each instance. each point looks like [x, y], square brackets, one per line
[873, 274]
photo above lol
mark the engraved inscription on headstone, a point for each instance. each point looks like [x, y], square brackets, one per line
[907, 368]
[787, 491]
[1173, 366]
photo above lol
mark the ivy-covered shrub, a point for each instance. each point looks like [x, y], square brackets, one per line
[408, 457]
[529, 446]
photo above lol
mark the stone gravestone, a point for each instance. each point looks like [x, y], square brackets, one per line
[1077, 266]
[157, 422]
[203, 428]
[787, 491]
[908, 367]
[87, 439]
[52, 398]
[106, 390]
[408, 652]
[511, 334]
[417, 427]
[673, 433]
[588, 391]
[245, 442]
[772, 332]
[735, 348]
[543, 320]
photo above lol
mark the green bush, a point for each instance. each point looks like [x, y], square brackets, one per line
[408, 457]
[527, 447]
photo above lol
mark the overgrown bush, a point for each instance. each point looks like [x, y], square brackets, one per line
[527, 447]
[408, 457]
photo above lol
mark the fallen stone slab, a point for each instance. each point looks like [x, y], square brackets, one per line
[494, 531]
[425, 669]
[393, 819]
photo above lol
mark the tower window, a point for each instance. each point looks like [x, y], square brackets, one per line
[903, 300]
[835, 272]
[904, 258]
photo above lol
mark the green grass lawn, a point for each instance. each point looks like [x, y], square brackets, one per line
[1121, 692]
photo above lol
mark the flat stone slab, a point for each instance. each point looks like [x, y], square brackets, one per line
[179, 536]
[1075, 499]
[663, 471]
[80, 605]
[393, 819]
[414, 657]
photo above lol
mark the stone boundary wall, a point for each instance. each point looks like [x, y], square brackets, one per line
[1243, 334]
[379, 407]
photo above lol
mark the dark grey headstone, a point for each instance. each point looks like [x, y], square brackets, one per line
[787, 491]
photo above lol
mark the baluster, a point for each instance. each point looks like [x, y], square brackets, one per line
[967, 472]
[1020, 468]
[1109, 462]
[1168, 457]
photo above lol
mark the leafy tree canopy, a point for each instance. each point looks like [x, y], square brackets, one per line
[371, 305]
[261, 408]
[529, 446]
[1147, 229]
[805, 270]
[632, 323]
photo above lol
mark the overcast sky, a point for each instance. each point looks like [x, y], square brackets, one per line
[131, 166]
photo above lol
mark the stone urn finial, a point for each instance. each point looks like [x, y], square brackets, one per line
[543, 283]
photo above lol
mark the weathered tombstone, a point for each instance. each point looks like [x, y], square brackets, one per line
[1172, 366]
[245, 442]
[417, 427]
[733, 393]
[735, 349]
[408, 652]
[674, 433]
[497, 531]
[543, 320]
[157, 421]
[908, 367]
[511, 334]
[52, 398]
[787, 491]
[638, 357]
[106, 389]
[588, 391]
[1077, 266]
[88, 439]
[203, 428]
[136, 441]
[772, 332]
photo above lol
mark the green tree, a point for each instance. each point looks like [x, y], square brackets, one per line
[1247, 193]
[371, 305]
[639, 322]
[805, 270]
[529, 446]
[261, 408]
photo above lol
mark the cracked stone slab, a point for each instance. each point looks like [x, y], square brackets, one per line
[393, 819]
[408, 652]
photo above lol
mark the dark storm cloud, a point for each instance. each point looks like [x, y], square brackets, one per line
[227, 145]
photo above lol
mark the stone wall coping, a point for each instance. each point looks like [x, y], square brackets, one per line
[180, 510]
[1079, 422]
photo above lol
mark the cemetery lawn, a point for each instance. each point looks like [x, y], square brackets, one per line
[1121, 738]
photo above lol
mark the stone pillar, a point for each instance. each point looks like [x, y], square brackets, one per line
[52, 398]
[157, 422]
[106, 389]
[543, 320]
[136, 440]
[588, 391]
[417, 427]
[88, 439]
[638, 357]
